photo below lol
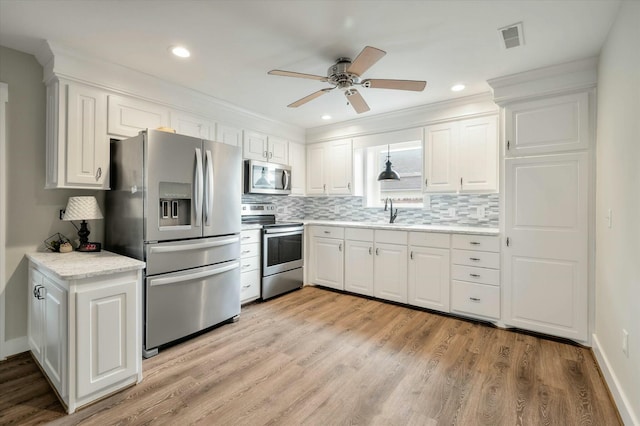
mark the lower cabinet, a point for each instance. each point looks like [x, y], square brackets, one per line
[429, 270]
[390, 272]
[358, 261]
[250, 277]
[327, 256]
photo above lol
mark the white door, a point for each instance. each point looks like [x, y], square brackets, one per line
[191, 125]
[478, 154]
[439, 158]
[297, 161]
[429, 278]
[229, 135]
[328, 262]
[316, 184]
[358, 267]
[36, 314]
[390, 272]
[341, 167]
[278, 150]
[545, 262]
[255, 146]
[54, 359]
[127, 116]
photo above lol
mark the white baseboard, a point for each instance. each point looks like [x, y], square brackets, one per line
[624, 406]
[14, 346]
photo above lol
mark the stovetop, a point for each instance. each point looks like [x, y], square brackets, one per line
[263, 214]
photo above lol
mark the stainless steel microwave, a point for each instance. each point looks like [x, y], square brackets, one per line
[266, 178]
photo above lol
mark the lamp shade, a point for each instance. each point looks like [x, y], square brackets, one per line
[388, 173]
[82, 208]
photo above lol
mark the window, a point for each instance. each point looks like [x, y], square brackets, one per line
[406, 159]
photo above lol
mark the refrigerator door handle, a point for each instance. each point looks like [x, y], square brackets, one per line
[197, 246]
[194, 276]
[208, 190]
[198, 187]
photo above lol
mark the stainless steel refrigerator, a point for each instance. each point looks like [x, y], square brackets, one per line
[175, 204]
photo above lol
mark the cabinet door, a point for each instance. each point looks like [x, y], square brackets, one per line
[340, 164]
[87, 148]
[390, 272]
[127, 116]
[316, 183]
[107, 348]
[328, 262]
[439, 158]
[559, 123]
[429, 278]
[545, 262]
[255, 146]
[36, 314]
[54, 356]
[250, 285]
[478, 154]
[278, 150]
[191, 125]
[229, 135]
[358, 267]
[297, 161]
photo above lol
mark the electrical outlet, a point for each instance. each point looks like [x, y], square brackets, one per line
[625, 343]
[480, 212]
[452, 212]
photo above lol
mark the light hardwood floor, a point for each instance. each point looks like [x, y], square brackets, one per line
[319, 357]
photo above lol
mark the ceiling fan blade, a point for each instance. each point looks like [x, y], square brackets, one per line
[365, 59]
[356, 100]
[413, 85]
[308, 98]
[297, 74]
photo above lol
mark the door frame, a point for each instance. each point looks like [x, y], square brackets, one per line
[4, 99]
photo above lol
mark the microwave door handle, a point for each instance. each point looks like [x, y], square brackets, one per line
[198, 187]
[285, 175]
[208, 191]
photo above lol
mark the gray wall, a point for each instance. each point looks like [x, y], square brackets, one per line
[32, 211]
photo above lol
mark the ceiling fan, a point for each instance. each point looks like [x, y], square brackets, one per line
[345, 74]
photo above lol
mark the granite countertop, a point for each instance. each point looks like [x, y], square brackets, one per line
[472, 230]
[77, 265]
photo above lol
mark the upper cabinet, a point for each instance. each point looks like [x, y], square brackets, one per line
[461, 156]
[229, 135]
[77, 142]
[258, 146]
[192, 125]
[330, 168]
[297, 161]
[553, 124]
[128, 116]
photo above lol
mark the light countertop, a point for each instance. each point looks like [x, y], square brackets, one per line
[78, 265]
[251, 226]
[470, 230]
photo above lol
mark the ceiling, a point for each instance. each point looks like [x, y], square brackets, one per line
[234, 43]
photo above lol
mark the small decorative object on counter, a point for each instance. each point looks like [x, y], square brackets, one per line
[56, 241]
[66, 248]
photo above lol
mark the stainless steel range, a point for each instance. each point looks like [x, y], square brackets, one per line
[282, 249]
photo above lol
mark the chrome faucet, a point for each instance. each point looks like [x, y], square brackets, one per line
[392, 214]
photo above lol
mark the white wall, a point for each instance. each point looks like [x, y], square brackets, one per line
[618, 189]
[32, 211]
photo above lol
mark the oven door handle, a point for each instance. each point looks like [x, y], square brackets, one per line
[197, 246]
[284, 231]
[194, 276]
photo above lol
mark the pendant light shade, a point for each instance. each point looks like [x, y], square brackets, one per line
[388, 173]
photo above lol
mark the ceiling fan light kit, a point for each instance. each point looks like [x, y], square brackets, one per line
[345, 74]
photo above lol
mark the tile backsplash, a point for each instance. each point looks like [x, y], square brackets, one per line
[352, 209]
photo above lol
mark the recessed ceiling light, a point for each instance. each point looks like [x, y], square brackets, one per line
[326, 117]
[457, 87]
[180, 51]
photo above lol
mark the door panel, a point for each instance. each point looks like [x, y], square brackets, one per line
[439, 167]
[390, 272]
[429, 278]
[328, 264]
[358, 266]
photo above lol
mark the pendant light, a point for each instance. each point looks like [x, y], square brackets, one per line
[388, 173]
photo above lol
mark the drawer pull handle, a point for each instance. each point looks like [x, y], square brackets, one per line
[474, 243]
[246, 238]
[246, 286]
[246, 251]
[246, 265]
[475, 259]
[340, 247]
[369, 251]
[474, 275]
[377, 252]
[474, 299]
[327, 232]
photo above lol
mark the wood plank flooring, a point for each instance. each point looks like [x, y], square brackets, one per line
[317, 357]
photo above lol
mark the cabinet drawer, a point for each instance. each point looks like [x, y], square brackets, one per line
[358, 234]
[429, 239]
[327, 231]
[391, 237]
[481, 259]
[476, 242]
[250, 237]
[250, 264]
[249, 285]
[475, 274]
[475, 299]
[249, 250]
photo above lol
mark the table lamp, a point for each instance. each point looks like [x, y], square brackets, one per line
[83, 208]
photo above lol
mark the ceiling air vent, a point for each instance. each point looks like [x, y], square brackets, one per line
[511, 36]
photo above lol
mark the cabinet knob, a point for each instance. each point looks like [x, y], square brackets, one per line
[411, 255]
[426, 182]
[265, 154]
[340, 247]
[98, 173]
[475, 259]
[349, 186]
[474, 275]
[370, 251]
[474, 243]
[474, 299]
[377, 252]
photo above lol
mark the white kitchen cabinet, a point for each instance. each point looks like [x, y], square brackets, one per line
[84, 326]
[297, 161]
[390, 266]
[250, 258]
[428, 278]
[258, 146]
[542, 126]
[229, 135]
[461, 156]
[358, 261]
[128, 116]
[327, 257]
[192, 125]
[330, 168]
[77, 143]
